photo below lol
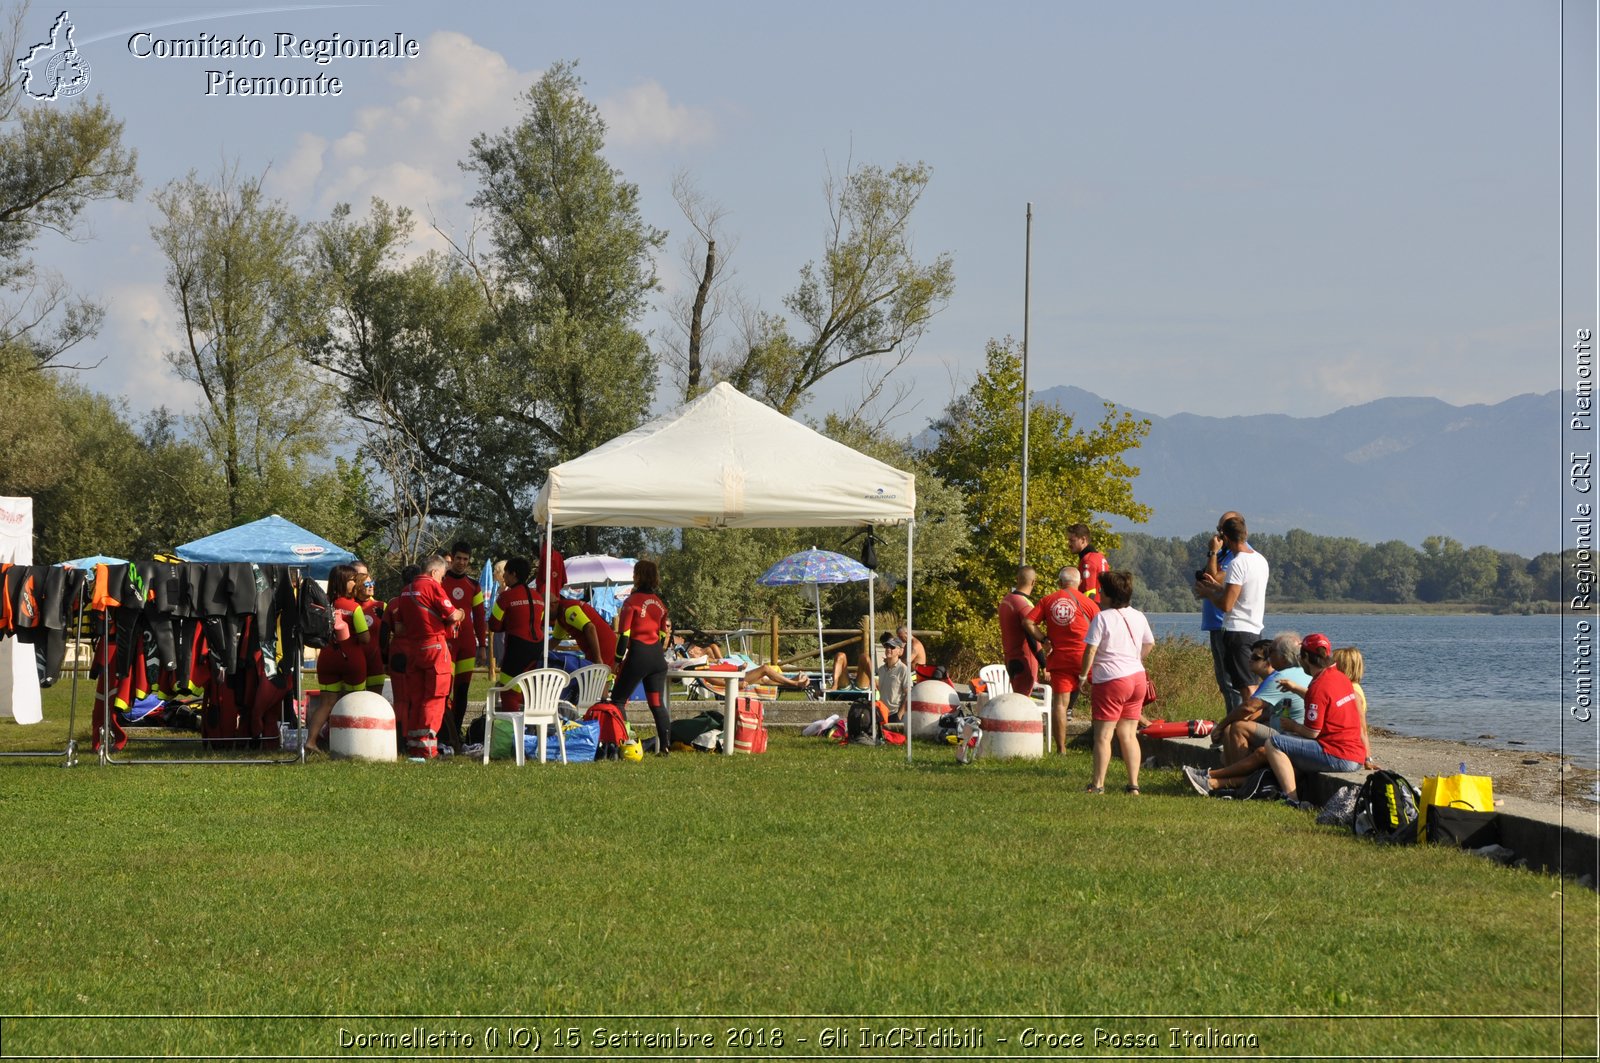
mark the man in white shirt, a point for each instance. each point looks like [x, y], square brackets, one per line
[1241, 594]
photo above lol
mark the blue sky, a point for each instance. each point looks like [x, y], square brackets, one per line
[1238, 207]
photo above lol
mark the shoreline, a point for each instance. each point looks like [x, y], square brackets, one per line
[1541, 777]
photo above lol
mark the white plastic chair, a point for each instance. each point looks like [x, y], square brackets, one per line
[541, 704]
[591, 680]
[998, 681]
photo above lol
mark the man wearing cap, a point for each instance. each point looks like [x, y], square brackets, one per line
[894, 676]
[1330, 739]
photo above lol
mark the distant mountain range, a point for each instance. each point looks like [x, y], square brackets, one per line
[1398, 468]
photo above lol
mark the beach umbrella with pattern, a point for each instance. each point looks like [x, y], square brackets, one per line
[810, 569]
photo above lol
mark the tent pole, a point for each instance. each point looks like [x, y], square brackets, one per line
[911, 527]
[549, 531]
[105, 716]
[72, 713]
[822, 654]
[872, 645]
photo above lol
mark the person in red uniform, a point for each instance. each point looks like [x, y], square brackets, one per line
[377, 637]
[1065, 615]
[341, 666]
[1092, 564]
[519, 613]
[641, 650]
[1018, 646]
[558, 572]
[1330, 739]
[585, 625]
[428, 619]
[470, 646]
[394, 655]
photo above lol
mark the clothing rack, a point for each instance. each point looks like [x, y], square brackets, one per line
[69, 754]
[290, 650]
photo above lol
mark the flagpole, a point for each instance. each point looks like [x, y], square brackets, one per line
[1027, 285]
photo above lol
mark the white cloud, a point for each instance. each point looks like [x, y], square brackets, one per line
[643, 116]
[407, 151]
[140, 327]
[293, 179]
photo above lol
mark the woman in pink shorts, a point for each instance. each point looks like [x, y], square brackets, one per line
[1118, 641]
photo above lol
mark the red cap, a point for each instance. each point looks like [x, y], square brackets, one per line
[1317, 644]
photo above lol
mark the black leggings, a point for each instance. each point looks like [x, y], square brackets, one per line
[646, 663]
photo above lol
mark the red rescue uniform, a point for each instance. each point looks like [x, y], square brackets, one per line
[1065, 615]
[575, 617]
[1092, 564]
[377, 639]
[465, 594]
[425, 613]
[342, 666]
[519, 613]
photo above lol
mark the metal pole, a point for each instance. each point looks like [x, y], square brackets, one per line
[872, 650]
[549, 533]
[911, 527]
[1027, 286]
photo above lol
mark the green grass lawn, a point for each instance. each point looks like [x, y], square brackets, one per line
[813, 881]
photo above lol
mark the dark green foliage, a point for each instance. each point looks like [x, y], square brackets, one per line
[1318, 568]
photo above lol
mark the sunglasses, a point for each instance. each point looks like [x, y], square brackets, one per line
[1258, 656]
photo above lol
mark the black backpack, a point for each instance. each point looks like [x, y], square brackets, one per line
[315, 615]
[1259, 785]
[858, 723]
[1386, 809]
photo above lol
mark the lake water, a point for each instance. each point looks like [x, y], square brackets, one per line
[1489, 679]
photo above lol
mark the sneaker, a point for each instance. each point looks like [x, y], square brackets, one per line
[1198, 779]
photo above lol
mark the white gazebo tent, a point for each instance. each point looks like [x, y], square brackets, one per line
[725, 460]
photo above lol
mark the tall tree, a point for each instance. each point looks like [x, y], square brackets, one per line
[868, 300]
[55, 160]
[409, 342]
[1074, 475]
[706, 254]
[569, 273]
[248, 306]
[480, 373]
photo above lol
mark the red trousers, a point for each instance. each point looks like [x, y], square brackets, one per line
[426, 692]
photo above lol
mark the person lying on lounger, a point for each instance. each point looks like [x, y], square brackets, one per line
[768, 674]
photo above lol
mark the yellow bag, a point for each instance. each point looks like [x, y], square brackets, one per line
[1473, 792]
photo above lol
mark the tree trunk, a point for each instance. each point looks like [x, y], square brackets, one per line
[696, 324]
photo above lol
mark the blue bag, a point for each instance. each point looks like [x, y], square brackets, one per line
[582, 741]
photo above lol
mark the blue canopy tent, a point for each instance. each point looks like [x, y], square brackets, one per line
[270, 541]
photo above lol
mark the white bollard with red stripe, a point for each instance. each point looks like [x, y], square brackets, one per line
[362, 727]
[1013, 726]
[930, 699]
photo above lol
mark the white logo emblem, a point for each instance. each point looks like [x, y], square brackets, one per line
[1063, 611]
[456, 594]
[55, 69]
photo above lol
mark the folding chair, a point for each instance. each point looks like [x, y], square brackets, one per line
[541, 704]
